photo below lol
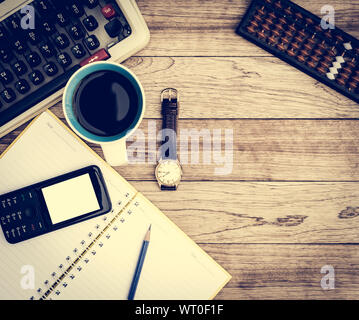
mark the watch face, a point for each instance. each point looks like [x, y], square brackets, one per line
[168, 172]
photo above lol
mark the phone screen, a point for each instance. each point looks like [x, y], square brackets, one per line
[71, 198]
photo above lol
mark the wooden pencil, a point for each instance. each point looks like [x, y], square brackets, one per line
[139, 266]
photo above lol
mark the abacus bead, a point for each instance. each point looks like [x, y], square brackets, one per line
[341, 81]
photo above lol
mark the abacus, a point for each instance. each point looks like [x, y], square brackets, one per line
[296, 36]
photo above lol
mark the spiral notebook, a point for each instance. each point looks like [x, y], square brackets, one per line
[96, 259]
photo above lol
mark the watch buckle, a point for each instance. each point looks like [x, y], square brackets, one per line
[171, 93]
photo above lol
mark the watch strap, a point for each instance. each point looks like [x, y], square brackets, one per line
[170, 106]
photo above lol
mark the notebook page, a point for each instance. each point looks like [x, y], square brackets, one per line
[45, 150]
[175, 267]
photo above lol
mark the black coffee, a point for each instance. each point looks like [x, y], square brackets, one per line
[105, 103]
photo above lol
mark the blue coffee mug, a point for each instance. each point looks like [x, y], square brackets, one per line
[114, 147]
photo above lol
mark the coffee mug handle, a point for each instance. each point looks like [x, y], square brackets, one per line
[115, 153]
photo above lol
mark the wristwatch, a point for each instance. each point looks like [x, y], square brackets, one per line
[168, 171]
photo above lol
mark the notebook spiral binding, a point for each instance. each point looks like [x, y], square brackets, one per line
[80, 257]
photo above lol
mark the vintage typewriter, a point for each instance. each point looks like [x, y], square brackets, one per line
[43, 42]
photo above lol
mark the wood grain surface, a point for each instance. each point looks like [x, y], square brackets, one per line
[266, 150]
[290, 204]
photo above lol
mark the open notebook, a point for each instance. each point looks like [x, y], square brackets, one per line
[96, 259]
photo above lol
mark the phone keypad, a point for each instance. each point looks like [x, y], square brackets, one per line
[19, 218]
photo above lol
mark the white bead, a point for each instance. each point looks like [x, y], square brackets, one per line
[330, 76]
[333, 70]
[337, 65]
[340, 59]
[348, 46]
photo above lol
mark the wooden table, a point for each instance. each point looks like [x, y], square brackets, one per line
[291, 202]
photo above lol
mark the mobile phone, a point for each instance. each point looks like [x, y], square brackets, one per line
[53, 204]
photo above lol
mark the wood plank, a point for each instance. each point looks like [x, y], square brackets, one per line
[266, 150]
[206, 28]
[286, 271]
[257, 212]
[234, 88]
[247, 87]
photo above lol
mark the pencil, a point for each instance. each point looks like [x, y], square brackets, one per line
[139, 266]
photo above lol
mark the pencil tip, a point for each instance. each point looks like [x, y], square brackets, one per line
[147, 236]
